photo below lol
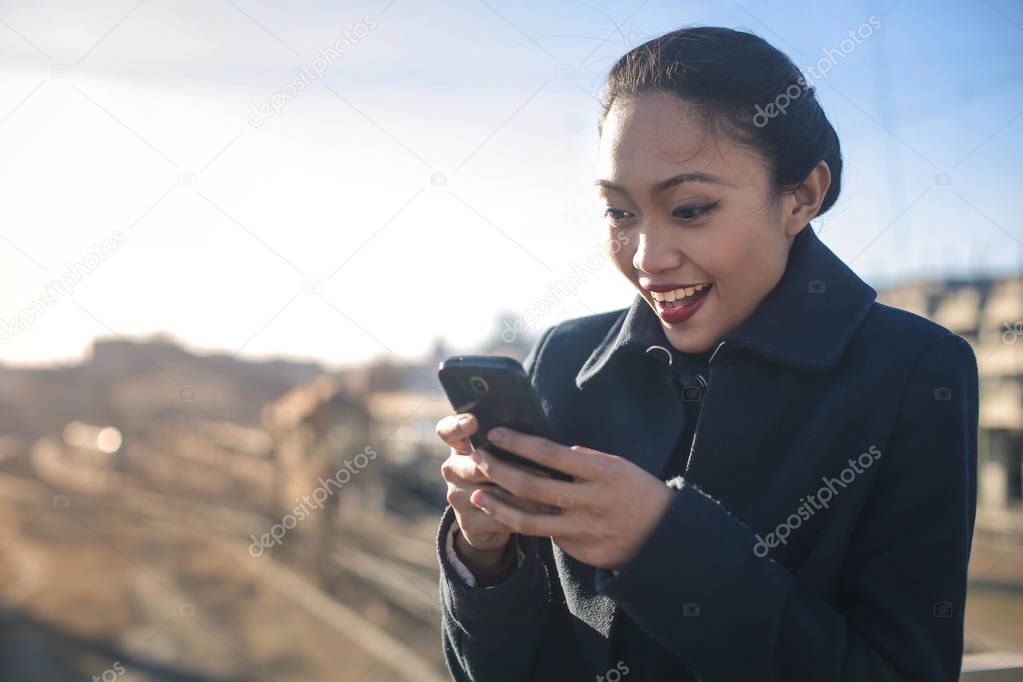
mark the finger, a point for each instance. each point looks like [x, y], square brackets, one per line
[460, 498]
[476, 524]
[461, 470]
[518, 502]
[524, 523]
[462, 487]
[584, 463]
[456, 429]
[524, 484]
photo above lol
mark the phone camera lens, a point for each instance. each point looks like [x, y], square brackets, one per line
[479, 384]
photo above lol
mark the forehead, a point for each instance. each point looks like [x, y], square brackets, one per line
[655, 136]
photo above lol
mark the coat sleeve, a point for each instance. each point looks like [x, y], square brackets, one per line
[902, 591]
[519, 629]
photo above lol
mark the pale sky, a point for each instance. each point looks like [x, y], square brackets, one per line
[132, 122]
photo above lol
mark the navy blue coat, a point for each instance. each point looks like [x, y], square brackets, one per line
[820, 531]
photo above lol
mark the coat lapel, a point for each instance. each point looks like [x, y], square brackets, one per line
[637, 414]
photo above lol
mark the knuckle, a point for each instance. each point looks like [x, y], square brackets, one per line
[453, 495]
[473, 474]
[447, 470]
[485, 472]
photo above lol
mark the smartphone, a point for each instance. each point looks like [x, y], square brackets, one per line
[497, 391]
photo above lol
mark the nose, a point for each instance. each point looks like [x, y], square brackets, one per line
[655, 254]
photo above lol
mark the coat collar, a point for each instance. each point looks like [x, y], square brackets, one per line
[805, 321]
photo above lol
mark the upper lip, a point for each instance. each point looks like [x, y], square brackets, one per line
[660, 288]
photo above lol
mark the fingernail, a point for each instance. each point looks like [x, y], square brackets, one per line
[463, 420]
[496, 435]
[482, 501]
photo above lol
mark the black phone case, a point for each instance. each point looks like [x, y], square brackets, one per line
[497, 391]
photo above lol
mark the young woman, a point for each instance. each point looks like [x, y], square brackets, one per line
[774, 474]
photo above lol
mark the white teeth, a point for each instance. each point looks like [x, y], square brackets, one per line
[676, 294]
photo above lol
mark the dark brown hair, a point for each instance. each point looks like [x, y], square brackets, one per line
[739, 84]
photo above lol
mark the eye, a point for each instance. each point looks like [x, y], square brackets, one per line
[616, 215]
[689, 213]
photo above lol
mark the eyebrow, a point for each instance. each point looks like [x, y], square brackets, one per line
[670, 182]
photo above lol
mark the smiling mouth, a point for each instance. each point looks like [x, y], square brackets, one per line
[680, 298]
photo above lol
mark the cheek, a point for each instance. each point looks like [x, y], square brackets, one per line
[735, 267]
[747, 268]
[620, 251]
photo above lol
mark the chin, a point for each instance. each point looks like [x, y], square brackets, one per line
[688, 341]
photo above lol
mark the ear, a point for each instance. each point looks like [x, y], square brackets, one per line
[806, 200]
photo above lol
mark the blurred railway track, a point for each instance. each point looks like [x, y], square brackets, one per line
[378, 587]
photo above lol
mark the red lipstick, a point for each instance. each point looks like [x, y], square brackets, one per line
[673, 313]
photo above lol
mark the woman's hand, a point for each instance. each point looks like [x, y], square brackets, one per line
[485, 536]
[608, 511]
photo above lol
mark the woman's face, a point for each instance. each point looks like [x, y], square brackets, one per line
[721, 227]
